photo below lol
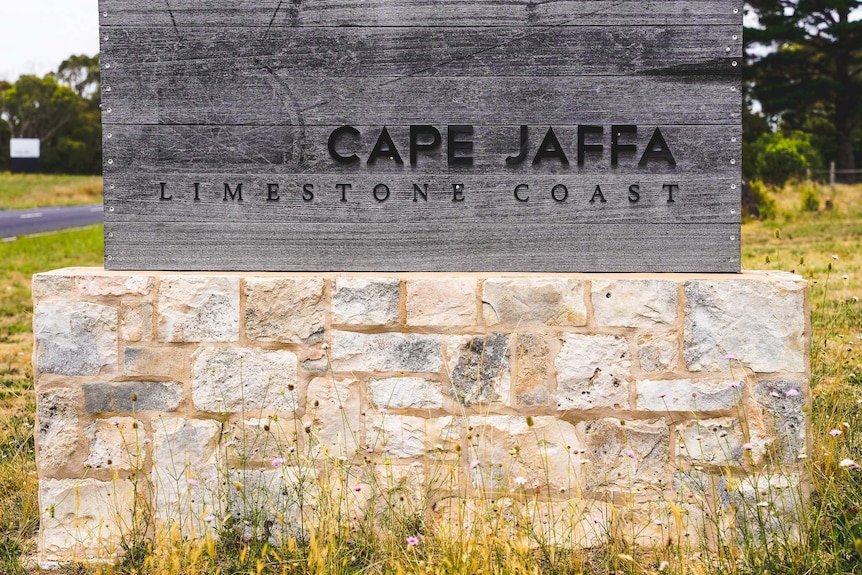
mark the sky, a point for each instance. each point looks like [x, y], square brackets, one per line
[37, 35]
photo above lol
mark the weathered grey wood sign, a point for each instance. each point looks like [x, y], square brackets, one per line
[427, 135]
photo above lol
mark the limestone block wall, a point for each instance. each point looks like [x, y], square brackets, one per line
[612, 401]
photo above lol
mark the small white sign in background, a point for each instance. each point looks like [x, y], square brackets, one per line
[24, 148]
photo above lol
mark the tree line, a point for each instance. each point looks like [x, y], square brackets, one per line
[802, 86]
[62, 110]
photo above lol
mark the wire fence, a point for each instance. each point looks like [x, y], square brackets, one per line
[833, 176]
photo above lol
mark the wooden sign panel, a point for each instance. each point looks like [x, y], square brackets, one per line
[424, 135]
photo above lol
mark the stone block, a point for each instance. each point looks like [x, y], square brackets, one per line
[198, 309]
[131, 396]
[185, 473]
[75, 338]
[285, 310]
[136, 321]
[244, 379]
[479, 369]
[511, 451]
[332, 409]
[688, 395]
[262, 441]
[532, 370]
[56, 427]
[593, 371]
[165, 361]
[760, 323]
[405, 393]
[534, 301]
[116, 444]
[83, 519]
[366, 301]
[713, 442]
[270, 502]
[52, 284]
[398, 435]
[770, 507]
[642, 303]
[118, 285]
[386, 352]
[441, 302]
[782, 411]
[626, 454]
[658, 352]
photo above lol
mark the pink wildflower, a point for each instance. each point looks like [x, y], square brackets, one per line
[411, 541]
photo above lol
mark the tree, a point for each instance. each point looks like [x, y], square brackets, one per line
[805, 67]
[81, 73]
[67, 124]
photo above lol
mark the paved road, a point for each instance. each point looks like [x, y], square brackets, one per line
[23, 222]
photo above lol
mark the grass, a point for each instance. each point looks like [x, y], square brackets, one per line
[23, 191]
[804, 241]
[19, 513]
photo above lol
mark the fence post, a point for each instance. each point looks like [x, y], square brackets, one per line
[831, 173]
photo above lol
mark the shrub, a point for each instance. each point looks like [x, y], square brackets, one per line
[757, 203]
[781, 158]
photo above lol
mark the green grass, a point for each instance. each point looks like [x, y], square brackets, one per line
[22, 191]
[19, 513]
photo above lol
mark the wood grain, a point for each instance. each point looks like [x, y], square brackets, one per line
[483, 246]
[177, 16]
[219, 92]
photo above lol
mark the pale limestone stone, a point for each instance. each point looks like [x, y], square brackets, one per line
[593, 371]
[119, 285]
[688, 395]
[479, 369]
[532, 370]
[236, 379]
[52, 284]
[782, 411]
[625, 454]
[365, 301]
[164, 361]
[83, 519]
[75, 339]
[131, 396]
[198, 309]
[405, 393]
[332, 409]
[658, 352]
[116, 444]
[640, 303]
[386, 352]
[269, 504]
[185, 473]
[534, 301]
[760, 323]
[443, 302]
[285, 310]
[400, 435]
[535, 452]
[260, 441]
[56, 427]
[771, 507]
[136, 321]
[714, 442]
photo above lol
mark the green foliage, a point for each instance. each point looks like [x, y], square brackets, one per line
[810, 199]
[757, 203]
[811, 72]
[780, 157]
[55, 110]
